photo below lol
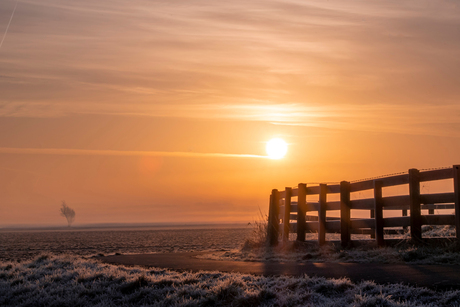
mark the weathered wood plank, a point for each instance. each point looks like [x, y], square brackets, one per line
[362, 231]
[439, 198]
[438, 219]
[333, 226]
[312, 206]
[402, 207]
[386, 182]
[361, 186]
[437, 206]
[400, 221]
[396, 202]
[311, 226]
[362, 204]
[362, 223]
[333, 205]
[313, 190]
[394, 180]
[439, 174]
[333, 188]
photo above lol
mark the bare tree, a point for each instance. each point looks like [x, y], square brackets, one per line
[68, 213]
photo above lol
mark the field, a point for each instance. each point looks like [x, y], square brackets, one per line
[74, 281]
[32, 276]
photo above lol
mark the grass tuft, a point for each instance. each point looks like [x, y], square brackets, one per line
[135, 285]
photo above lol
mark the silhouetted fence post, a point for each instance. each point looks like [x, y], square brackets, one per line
[301, 211]
[404, 213]
[378, 212]
[322, 214]
[287, 213]
[415, 212]
[372, 216]
[345, 213]
[456, 174]
[273, 219]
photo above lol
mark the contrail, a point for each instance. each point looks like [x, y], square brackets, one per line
[8, 26]
[90, 152]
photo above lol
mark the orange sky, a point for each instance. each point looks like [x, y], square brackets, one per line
[159, 111]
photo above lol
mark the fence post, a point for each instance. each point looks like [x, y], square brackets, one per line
[301, 211]
[378, 212]
[415, 212]
[404, 213]
[372, 216]
[322, 214]
[287, 213]
[273, 219]
[345, 213]
[456, 169]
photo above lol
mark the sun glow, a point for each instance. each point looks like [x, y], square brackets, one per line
[276, 148]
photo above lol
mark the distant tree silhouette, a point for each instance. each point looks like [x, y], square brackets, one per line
[68, 213]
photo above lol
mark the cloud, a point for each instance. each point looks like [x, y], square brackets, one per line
[377, 66]
[8, 26]
[88, 152]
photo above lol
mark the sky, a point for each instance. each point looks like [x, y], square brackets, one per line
[148, 111]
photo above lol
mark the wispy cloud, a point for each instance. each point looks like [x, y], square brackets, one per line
[8, 26]
[406, 119]
[372, 66]
[89, 152]
[442, 120]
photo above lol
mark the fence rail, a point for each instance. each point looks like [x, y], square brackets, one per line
[283, 210]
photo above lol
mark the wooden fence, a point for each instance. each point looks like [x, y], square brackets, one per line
[287, 216]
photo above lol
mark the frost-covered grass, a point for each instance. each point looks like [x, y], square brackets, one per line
[73, 281]
[255, 249]
[29, 244]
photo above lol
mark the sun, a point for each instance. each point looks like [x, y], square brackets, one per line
[276, 148]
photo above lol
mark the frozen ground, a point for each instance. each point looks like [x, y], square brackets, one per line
[255, 249]
[74, 281]
[16, 245]
[66, 275]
